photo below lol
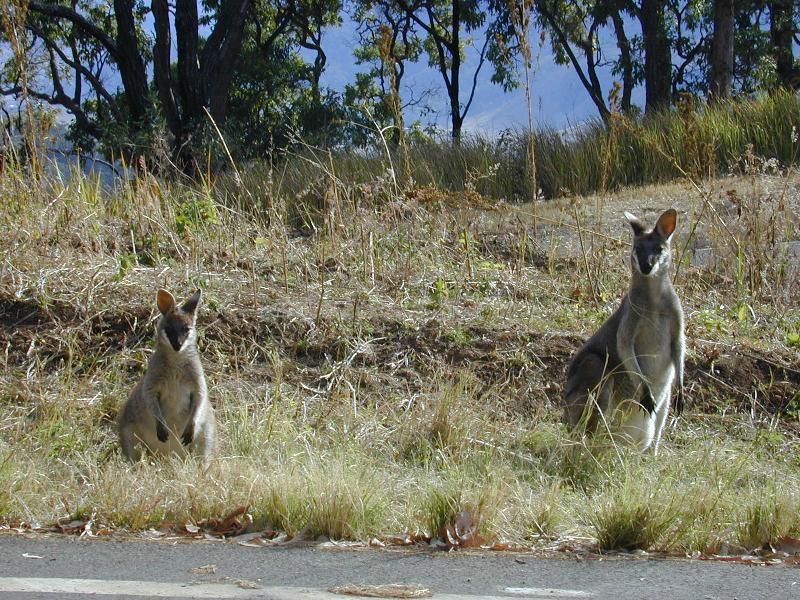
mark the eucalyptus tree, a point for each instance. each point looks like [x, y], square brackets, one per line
[575, 28]
[276, 93]
[100, 51]
[388, 41]
[784, 30]
[722, 49]
[450, 28]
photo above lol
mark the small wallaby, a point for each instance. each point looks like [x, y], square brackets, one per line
[168, 411]
[637, 353]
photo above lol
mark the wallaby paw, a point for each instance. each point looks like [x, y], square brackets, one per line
[648, 402]
[188, 437]
[161, 432]
[680, 400]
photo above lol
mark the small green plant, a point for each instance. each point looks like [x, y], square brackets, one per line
[713, 321]
[126, 262]
[459, 336]
[792, 409]
[439, 292]
[793, 339]
[194, 213]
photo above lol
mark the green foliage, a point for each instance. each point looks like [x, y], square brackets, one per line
[439, 292]
[194, 213]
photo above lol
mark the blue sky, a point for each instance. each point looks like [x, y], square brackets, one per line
[559, 99]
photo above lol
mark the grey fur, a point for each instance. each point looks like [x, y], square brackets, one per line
[168, 411]
[636, 354]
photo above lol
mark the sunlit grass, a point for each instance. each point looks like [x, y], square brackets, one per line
[380, 364]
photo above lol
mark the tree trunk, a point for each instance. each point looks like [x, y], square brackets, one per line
[657, 56]
[624, 45]
[398, 132]
[781, 29]
[722, 50]
[219, 56]
[186, 27]
[161, 65]
[131, 64]
[455, 72]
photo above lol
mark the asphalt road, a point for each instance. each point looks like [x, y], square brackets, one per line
[54, 567]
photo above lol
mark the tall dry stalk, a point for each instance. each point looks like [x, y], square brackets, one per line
[521, 20]
[388, 62]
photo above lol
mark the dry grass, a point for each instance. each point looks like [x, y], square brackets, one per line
[381, 365]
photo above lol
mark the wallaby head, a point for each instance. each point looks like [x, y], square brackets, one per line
[176, 327]
[651, 255]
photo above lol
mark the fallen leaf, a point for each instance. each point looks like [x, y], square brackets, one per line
[191, 528]
[420, 536]
[234, 523]
[152, 533]
[790, 545]
[254, 543]
[506, 545]
[462, 532]
[204, 570]
[398, 540]
[71, 526]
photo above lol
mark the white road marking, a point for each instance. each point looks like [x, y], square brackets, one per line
[223, 591]
[547, 592]
[104, 587]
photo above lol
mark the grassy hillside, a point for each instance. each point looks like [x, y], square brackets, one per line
[387, 359]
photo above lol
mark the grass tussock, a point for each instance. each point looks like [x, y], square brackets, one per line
[382, 362]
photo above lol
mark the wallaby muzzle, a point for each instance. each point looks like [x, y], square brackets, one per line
[176, 337]
[645, 260]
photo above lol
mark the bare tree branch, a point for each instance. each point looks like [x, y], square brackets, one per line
[63, 12]
[95, 82]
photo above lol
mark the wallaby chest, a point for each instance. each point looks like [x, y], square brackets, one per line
[177, 392]
[652, 340]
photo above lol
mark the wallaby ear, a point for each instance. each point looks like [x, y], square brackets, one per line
[191, 304]
[165, 301]
[666, 223]
[637, 226]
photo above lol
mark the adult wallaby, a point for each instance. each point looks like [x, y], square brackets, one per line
[168, 411]
[632, 360]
